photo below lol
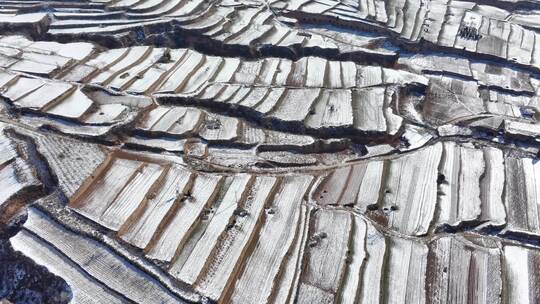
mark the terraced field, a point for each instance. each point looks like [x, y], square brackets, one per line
[300, 151]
